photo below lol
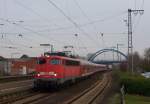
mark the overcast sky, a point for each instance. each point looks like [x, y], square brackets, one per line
[25, 24]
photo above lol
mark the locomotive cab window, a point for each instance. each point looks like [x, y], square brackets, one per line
[55, 61]
[72, 63]
[41, 61]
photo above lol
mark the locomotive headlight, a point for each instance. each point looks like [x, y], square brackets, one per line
[55, 74]
[38, 75]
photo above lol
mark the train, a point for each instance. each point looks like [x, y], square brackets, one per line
[56, 69]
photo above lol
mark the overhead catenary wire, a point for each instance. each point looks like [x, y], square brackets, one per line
[100, 21]
[77, 24]
[42, 17]
[93, 22]
[72, 21]
[82, 11]
[104, 19]
[31, 10]
[36, 13]
[28, 29]
[89, 22]
[76, 35]
[135, 2]
[20, 49]
[19, 33]
[13, 43]
[142, 6]
[86, 50]
[23, 37]
[136, 24]
[5, 34]
[86, 16]
[80, 25]
[14, 46]
[139, 18]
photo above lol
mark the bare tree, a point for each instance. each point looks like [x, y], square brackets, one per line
[147, 55]
[146, 61]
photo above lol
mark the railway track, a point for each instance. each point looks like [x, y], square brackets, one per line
[21, 92]
[14, 87]
[88, 96]
[94, 94]
[6, 79]
[12, 91]
[33, 99]
[13, 94]
[55, 97]
[22, 95]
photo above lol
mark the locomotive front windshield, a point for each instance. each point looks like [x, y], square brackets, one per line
[41, 61]
[55, 61]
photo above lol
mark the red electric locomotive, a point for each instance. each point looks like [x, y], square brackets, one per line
[56, 69]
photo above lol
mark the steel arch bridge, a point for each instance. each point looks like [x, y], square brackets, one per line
[106, 50]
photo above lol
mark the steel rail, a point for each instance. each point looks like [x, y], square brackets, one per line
[14, 96]
[33, 99]
[91, 94]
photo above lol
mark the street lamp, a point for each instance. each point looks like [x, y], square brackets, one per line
[48, 45]
[70, 46]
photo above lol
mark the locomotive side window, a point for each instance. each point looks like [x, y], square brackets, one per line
[72, 63]
[55, 61]
[41, 61]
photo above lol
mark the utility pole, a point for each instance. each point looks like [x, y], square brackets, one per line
[1, 24]
[118, 50]
[113, 47]
[130, 40]
[103, 44]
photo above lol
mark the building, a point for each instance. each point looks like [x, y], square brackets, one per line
[17, 66]
[22, 66]
[4, 66]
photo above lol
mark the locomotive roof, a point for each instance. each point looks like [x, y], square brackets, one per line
[60, 57]
[82, 62]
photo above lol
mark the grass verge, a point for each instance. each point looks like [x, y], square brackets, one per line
[115, 99]
[135, 99]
